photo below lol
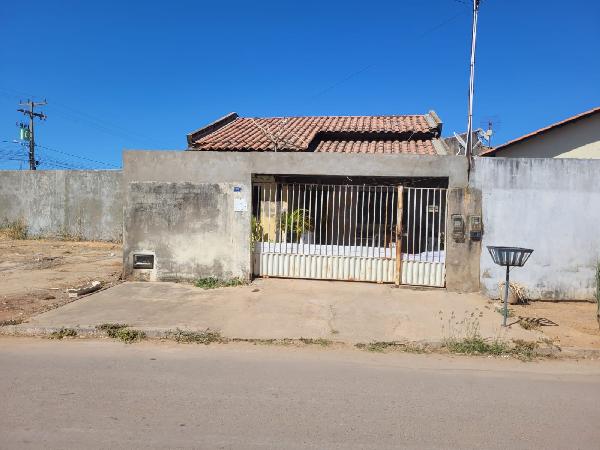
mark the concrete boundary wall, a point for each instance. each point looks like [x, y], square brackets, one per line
[550, 205]
[180, 206]
[86, 204]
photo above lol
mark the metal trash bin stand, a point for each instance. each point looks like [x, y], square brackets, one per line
[509, 257]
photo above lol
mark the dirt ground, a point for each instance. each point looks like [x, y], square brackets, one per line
[35, 274]
[576, 322]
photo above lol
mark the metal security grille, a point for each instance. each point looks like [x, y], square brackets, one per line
[424, 238]
[346, 232]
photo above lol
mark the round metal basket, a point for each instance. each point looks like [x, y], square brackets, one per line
[509, 256]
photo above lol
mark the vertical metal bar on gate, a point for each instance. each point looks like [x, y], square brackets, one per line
[337, 240]
[344, 226]
[440, 228]
[356, 219]
[414, 234]
[350, 222]
[327, 222]
[399, 215]
[310, 225]
[433, 226]
[392, 229]
[362, 219]
[278, 215]
[287, 213]
[426, 225]
[367, 223]
[321, 223]
[379, 224]
[374, 218]
[385, 221]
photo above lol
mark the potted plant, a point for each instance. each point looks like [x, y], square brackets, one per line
[298, 225]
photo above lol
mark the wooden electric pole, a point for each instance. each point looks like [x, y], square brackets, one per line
[32, 115]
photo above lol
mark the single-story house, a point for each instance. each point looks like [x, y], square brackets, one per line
[575, 137]
[365, 198]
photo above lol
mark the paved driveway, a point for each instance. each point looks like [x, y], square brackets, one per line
[277, 308]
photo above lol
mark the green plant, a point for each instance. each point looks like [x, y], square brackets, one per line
[63, 333]
[128, 335]
[476, 345]
[295, 223]
[205, 337]
[382, 346]
[213, 282]
[257, 233]
[111, 328]
[121, 332]
[524, 350]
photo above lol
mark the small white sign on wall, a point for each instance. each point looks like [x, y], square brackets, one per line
[240, 204]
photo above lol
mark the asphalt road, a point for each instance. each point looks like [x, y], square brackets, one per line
[98, 394]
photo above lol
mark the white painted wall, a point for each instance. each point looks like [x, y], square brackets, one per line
[550, 205]
[577, 139]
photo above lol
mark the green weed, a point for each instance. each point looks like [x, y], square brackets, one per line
[205, 337]
[121, 332]
[63, 333]
[214, 283]
[383, 346]
[476, 345]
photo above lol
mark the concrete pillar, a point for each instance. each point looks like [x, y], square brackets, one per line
[462, 253]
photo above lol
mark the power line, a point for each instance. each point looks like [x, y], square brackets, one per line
[77, 156]
[67, 154]
[365, 68]
[77, 116]
[31, 136]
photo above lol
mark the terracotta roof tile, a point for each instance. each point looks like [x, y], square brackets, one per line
[420, 147]
[332, 134]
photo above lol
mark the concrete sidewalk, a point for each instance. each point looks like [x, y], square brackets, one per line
[277, 308]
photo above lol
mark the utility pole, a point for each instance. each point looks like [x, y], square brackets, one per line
[469, 151]
[32, 115]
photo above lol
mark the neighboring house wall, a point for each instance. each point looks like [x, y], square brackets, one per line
[551, 206]
[577, 139]
[82, 204]
[180, 205]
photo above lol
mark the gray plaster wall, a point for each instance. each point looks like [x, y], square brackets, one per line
[190, 228]
[83, 204]
[550, 205]
[235, 167]
[200, 234]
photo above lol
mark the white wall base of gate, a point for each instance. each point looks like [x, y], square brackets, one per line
[324, 267]
[347, 268]
[424, 273]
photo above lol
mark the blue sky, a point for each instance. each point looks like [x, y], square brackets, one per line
[141, 75]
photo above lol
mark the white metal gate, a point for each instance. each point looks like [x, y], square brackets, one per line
[423, 260]
[349, 232]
